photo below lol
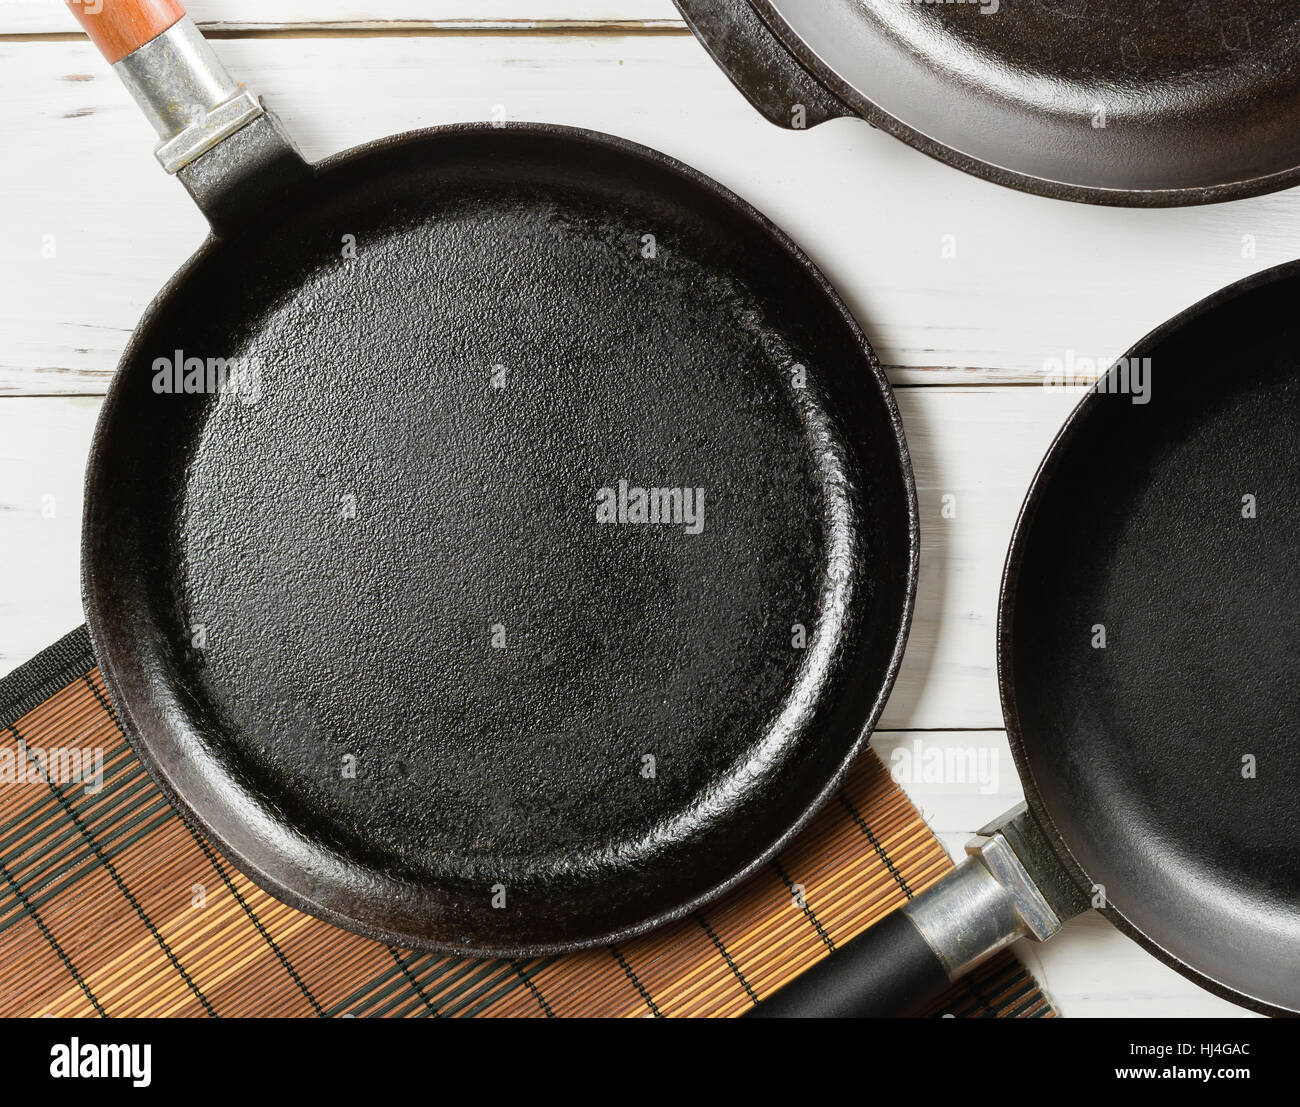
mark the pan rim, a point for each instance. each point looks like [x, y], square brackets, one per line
[1039, 490]
[876, 379]
[866, 108]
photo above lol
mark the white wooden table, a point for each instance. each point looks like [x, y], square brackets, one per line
[967, 290]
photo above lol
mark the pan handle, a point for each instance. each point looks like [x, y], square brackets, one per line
[120, 27]
[214, 134]
[165, 63]
[907, 961]
[759, 65]
[888, 972]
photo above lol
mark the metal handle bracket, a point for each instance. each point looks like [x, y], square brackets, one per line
[186, 93]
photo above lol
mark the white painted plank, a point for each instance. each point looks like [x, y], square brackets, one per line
[981, 447]
[1090, 969]
[43, 448]
[959, 780]
[1093, 971]
[1032, 279]
[51, 17]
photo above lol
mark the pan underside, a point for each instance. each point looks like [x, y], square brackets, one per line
[1172, 100]
[1151, 643]
[548, 573]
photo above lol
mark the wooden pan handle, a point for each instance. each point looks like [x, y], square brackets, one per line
[119, 27]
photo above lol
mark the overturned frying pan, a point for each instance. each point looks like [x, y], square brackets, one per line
[499, 539]
[1103, 101]
[1149, 654]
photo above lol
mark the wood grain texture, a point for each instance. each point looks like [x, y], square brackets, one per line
[48, 16]
[93, 227]
[120, 27]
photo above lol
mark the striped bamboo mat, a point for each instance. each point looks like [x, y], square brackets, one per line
[111, 905]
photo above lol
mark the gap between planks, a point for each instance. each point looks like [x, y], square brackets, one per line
[402, 28]
[907, 379]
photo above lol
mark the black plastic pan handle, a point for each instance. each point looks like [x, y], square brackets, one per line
[1008, 887]
[888, 972]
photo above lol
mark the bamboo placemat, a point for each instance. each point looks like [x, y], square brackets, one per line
[111, 905]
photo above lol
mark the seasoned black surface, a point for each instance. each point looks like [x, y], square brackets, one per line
[1136, 750]
[418, 483]
[1167, 102]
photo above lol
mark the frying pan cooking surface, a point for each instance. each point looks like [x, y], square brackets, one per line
[1169, 760]
[1163, 103]
[365, 615]
[1148, 651]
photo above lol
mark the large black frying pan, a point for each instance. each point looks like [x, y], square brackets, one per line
[389, 609]
[1149, 655]
[1105, 101]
